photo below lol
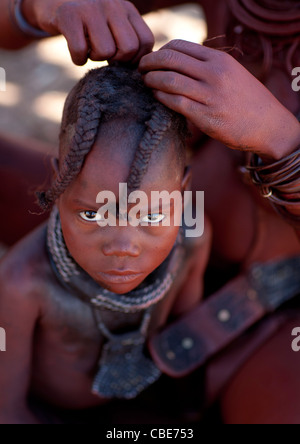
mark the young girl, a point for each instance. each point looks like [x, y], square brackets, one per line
[78, 301]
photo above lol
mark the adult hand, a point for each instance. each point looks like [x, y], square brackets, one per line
[97, 29]
[221, 98]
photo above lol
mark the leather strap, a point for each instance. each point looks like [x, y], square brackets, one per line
[188, 343]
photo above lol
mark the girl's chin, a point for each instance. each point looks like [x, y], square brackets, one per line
[118, 289]
[120, 284]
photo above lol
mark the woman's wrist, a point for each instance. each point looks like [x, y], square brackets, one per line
[279, 182]
[286, 142]
[26, 20]
[29, 13]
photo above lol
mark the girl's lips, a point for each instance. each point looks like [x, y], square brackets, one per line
[119, 277]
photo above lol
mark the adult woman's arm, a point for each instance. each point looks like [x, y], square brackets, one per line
[10, 36]
[99, 30]
[220, 97]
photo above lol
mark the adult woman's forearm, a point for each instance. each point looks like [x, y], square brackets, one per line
[11, 37]
[221, 98]
[97, 29]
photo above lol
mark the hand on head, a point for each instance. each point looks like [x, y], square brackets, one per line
[221, 98]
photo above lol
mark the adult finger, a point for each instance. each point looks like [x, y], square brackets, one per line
[177, 84]
[191, 49]
[125, 37]
[144, 34]
[170, 60]
[101, 41]
[189, 108]
[71, 27]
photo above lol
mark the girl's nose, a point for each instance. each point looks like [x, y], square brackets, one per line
[121, 248]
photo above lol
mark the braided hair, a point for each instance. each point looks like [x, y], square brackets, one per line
[105, 95]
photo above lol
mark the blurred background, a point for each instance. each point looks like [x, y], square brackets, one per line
[39, 78]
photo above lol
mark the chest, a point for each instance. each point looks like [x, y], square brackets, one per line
[70, 325]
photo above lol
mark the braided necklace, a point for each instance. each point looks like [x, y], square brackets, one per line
[124, 369]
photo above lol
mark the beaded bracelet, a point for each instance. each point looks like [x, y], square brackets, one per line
[279, 182]
[24, 26]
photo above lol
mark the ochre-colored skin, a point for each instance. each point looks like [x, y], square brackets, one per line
[101, 30]
[220, 89]
[53, 343]
[121, 248]
[266, 389]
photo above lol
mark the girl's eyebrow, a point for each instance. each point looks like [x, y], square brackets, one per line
[169, 204]
[155, 207]
[84, 204]
[159, 206]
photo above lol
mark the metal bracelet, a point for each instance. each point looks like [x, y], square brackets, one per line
[24, 26]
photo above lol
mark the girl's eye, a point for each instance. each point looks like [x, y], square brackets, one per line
[153, 218]
[90, 216]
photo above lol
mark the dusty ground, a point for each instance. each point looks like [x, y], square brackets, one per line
[38, 78]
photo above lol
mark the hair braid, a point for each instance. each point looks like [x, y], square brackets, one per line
[157, 127]
[106, 95]
[87, 126]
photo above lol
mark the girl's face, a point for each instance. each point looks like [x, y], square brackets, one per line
[119, 257]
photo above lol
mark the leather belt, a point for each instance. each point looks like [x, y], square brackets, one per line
[191, 341]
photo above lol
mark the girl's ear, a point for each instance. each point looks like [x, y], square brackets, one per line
[55, 166]
[187, 179]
